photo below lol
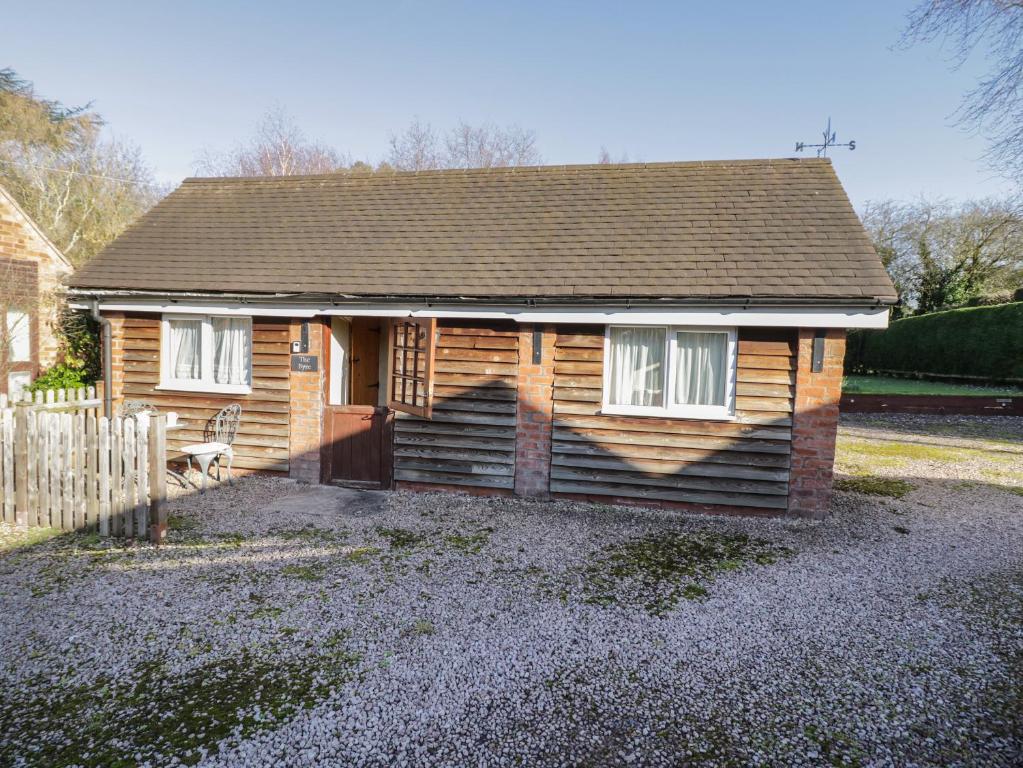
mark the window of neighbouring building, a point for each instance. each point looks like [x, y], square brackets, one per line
[19, 336]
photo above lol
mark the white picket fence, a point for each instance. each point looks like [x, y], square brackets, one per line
[53, 399]
[62, 465]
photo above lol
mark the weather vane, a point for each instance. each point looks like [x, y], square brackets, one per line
[829, 141]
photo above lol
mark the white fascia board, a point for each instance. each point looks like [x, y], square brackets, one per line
[773, 317]
[794, 317]
[192, 308]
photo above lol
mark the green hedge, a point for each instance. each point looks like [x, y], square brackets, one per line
[984, 342]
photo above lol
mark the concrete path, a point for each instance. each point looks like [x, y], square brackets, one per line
[317, 502]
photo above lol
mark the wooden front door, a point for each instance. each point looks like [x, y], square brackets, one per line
[366, 337]
[358, 434]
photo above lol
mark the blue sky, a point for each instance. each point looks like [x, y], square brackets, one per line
[658, 81]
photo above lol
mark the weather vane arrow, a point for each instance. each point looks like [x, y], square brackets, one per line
[829, 141]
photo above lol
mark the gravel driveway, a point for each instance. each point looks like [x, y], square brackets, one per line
[287, 625]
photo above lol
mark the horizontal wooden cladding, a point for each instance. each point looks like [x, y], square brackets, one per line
[264, 432]
[740, 463]
[470, 439]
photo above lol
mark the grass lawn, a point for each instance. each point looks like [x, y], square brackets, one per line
[890, 385]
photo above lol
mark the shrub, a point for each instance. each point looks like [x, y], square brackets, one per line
[983, 342]
[992, 298]
[61, 376]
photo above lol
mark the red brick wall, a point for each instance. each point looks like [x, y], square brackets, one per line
[19, 290]
[814, 424]
[117, 350]
[306, 390]
[29, 261]
[534, 413]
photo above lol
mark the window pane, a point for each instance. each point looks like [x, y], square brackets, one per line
[186, 349]
[701, 368]
[19, 336]
[16, 383]
[231, 350]
[637, 366]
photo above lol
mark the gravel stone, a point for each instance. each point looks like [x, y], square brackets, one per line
[451, 630]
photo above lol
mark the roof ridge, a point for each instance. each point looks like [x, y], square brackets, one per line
[510, 169]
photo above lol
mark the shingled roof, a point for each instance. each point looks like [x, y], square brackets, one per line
[771, 229]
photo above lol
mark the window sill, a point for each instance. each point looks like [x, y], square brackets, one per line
[204, 388]
[712, 414]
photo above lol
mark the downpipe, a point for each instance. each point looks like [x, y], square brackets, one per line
[108, 365]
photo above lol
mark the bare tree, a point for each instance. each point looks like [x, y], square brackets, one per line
[82, 189]
[419, 148]
[415, 149]
[996, 103]
[489, 146]
[278, 148]
[604, 157]
[941, 255]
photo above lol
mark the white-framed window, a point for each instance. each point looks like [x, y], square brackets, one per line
[16, 383]
[19, 336]
[685, 372]
[206, 353]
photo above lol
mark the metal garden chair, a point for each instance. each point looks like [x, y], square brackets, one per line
[220, 432]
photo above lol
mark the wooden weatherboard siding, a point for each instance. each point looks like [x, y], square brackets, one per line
[262, 440]
[743, 463]
[470, 439]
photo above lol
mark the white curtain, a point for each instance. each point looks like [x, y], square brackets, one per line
[637, 366]
[230, 350]
[700, 368]
[186, 348]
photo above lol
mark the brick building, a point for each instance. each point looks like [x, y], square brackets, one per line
[31, 271]
[664, 334]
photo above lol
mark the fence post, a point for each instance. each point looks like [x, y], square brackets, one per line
[43, 470]
[128, 478]
[103, 467]
[67, 444]
[157, 478]
[78, 423]
[33, 468]
[142, 463]
[91, 474]
[21, 511]
[54, 445]
[7, 460]
[116, 486]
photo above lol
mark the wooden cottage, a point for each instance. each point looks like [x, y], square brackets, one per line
[654, 333]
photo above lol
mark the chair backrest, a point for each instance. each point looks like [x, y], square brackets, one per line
[223, 427]
[129, 409]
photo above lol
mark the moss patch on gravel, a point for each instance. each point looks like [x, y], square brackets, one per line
[311, 534]
[361, 555]
[852, 449]
[655, 571]
[12, 539]
[312, 572]
[471, 543]
[156, 714]
[872, 485]
[401, 538]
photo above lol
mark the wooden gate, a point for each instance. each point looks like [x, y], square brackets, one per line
[358, 451]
